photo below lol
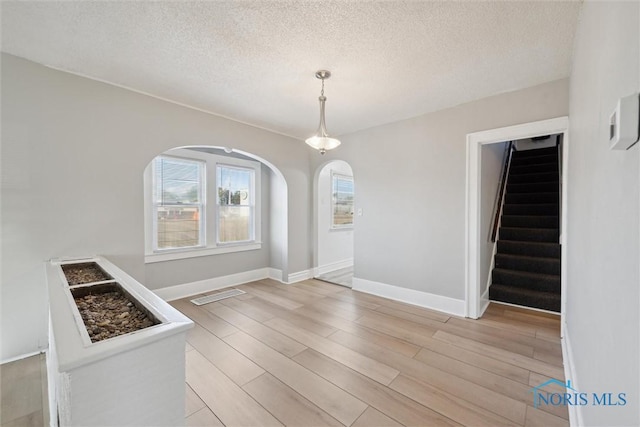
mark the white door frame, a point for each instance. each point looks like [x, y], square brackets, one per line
[476, 303]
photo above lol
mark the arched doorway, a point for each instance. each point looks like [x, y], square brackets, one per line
[334, 222]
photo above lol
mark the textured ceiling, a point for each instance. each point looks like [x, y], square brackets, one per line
[254, 61]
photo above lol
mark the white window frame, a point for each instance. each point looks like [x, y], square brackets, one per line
[252, 204]
[210, 210]
[202, 238]
[334, 176]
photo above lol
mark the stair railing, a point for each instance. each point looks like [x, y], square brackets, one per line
[502, 188]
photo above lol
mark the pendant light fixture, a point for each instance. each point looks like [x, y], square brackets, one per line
[321, 140]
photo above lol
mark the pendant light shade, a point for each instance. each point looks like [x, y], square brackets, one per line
[321, 141]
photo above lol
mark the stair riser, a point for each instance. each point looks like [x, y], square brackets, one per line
[544, 302]
[549, 167]
[528, 235]
[535, 283]
[533, 160]
[532, 265]
[543, 187]
[534, 177]
[531, 198]
[530, 221]
[529, 249]
[537, 209]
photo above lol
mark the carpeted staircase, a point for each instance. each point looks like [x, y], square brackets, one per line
[527, 263]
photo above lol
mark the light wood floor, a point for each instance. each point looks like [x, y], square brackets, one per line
[343, 276]
[23, 386]
[314, 354]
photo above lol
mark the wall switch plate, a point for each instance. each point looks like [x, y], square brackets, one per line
[623, 123]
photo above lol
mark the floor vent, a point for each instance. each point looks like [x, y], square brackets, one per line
[217, 297]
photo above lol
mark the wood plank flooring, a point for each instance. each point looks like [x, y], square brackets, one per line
[343, 276]
[314, 353]
[23, 397]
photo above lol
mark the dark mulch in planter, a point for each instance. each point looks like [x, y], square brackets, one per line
[86, 272]
[109, 314]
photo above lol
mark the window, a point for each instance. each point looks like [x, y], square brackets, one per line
[235, 204]
[178, 203]
[341, 201]
[198, 203]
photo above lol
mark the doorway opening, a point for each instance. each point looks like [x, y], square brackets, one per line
[334, 194]
[477, 285]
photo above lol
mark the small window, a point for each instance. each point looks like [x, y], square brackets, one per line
[342, 201]
[178, 202]
[236, 204]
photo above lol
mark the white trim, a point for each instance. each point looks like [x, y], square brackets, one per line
[21, 356]
[275, 274]
[575, 411]
[171, 293]
[410, 296]
[299, 276]
[472, 212]
[328, 268]
[484, 300]
[194, 253]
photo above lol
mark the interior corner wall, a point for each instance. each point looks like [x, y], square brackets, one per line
[603, 230]
[410, 184]
[492, 161]
[73, 155]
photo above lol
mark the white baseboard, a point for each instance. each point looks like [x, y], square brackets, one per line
[275, 274]
[484, 301]
[411, 296]
[575, 412]
[328, 268]
[299, 276]
[171, 293]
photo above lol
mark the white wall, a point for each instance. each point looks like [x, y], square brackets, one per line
[492, 161]
[73, 155]
[335, 246]
[420, 245]
[603, 289]
[277, 209]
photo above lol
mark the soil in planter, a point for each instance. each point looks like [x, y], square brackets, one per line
[86, 272]
[109, 314]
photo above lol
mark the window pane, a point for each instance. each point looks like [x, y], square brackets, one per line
[234, 224]
[234, 186]
[177, 181]
[342, 201]
[178, 199]
[235, 204]
[178, 227]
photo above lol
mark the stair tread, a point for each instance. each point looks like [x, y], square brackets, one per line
[530, 228]
[528, 273]
[528, 257]
[545, 300]
[526, 242]
[525, 290]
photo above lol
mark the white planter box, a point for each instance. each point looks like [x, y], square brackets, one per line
[135, 379]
